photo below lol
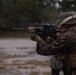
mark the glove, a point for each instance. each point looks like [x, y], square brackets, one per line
[50, 39]
[35, 37]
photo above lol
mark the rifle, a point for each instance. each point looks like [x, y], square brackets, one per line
[46, 30]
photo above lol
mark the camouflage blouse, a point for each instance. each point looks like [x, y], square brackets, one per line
[66, 42]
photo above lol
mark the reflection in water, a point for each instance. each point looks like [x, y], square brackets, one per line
[19, 57]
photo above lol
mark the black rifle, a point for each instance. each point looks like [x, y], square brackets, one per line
[46, 30]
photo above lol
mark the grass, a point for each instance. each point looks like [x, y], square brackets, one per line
[38, 63]
[34, 73]
[16, 34]
[38, 73]
[33, 65]
[46, 73]
[21, 48]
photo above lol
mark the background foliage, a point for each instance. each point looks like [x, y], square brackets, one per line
[18, 13]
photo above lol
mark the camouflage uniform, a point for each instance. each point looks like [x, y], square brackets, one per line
[64, 44]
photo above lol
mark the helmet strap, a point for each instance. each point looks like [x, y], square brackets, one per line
[67, 19]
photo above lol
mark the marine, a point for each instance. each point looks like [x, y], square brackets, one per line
[64, 47]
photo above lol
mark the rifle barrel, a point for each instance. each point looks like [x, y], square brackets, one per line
[18, 29]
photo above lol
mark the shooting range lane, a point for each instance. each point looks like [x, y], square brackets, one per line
[18, 56]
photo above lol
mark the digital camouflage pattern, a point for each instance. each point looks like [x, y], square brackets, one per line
[64, 45]
[66, 42]
[64, 16]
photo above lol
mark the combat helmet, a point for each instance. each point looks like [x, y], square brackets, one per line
[66, 18]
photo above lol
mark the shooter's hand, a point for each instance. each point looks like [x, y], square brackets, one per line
[36, 38]
[33, 37]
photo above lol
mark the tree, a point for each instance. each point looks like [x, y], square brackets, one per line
[67, 5]
[17, 13]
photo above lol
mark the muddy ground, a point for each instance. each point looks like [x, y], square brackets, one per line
[19, 57]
